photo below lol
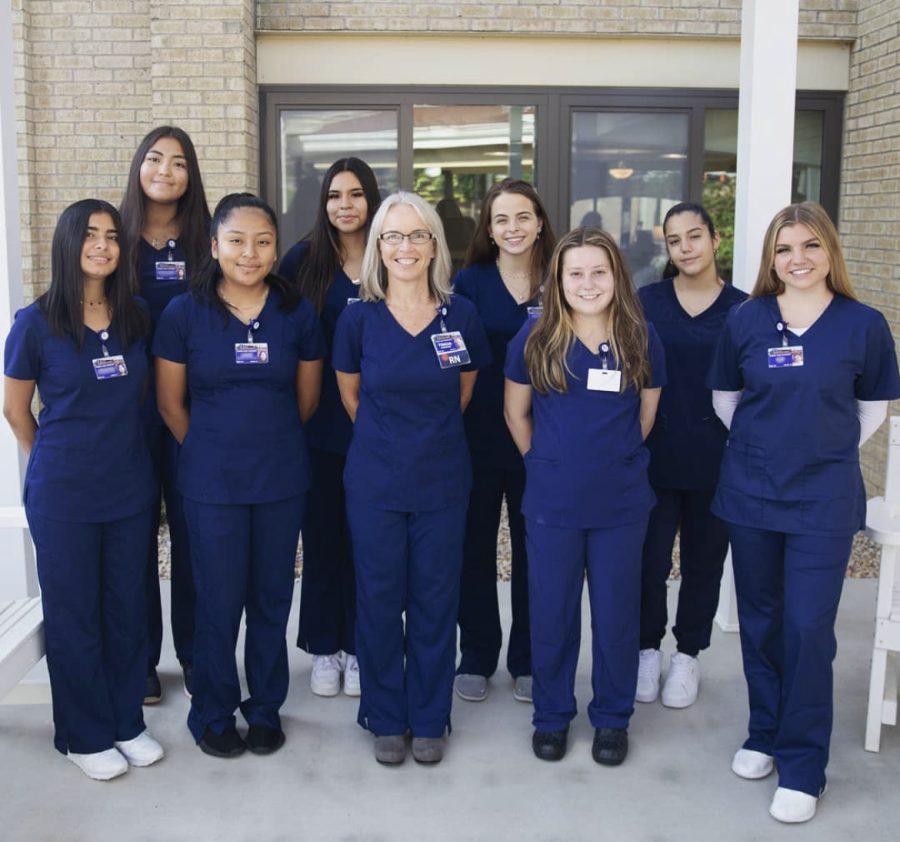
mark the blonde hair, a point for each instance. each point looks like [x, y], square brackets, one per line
[814, 217]
[554, 335]
[373, 274]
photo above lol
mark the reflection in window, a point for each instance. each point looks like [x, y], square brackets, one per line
[460, 151]
[628, 169]
[311, 141]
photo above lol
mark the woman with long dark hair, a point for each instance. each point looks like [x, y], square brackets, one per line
[238, 365]
[326, 266]
[88, 486]
[167, 224]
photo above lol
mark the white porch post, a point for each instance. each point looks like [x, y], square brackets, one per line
[17, 574]
[766, 103]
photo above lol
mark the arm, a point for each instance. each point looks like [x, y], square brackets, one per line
[309, 387]
[17, 397]
[649, 403]
[348, 386]
[871, 414]
[466, 387]
[725, 403]
[171, 391]
[517, 412]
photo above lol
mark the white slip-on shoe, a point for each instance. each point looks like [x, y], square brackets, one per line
[143, 750]
[752, 765]
[325, 679]
[100, 765]
[682, 681]
[649, 668]
[351, 676]
[792, 806]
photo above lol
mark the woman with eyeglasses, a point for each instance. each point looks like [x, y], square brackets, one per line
[502, 276]
[406, 358]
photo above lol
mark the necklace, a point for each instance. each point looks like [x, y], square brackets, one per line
[513, 281]
[101, 302]
[258, 306]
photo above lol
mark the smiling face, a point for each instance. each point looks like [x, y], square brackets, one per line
[245, 246]
[691, 247]
[405, 261]
[100, 252]
[164, 171]
[346, 204]
[800, 261]
[588, 282]
[514, 224]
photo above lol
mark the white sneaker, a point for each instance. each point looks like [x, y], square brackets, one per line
[792, 806]
[351, 676]
[682, 681]
[100, 765]
[325, 679]
[752, 765]
[143, 750]
[649, 668]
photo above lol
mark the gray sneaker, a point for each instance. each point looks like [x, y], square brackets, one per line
[390, 749]
[428, 749]
[522, 689]
[472, 688]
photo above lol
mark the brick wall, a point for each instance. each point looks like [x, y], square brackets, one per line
[818, 18]
[870, 180]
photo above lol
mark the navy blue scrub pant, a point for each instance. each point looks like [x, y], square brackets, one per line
[328, 597]
[243, 562]
[406, 562]
[480, 632]
[95, 627]
[558, 558]
[703, 547]
[164, 452]
[788, 589]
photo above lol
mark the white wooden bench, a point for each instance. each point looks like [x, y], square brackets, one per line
[21, 622]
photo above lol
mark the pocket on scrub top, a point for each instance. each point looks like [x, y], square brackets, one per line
[744, 468]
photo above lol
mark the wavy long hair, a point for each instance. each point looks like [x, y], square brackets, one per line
[553, 336]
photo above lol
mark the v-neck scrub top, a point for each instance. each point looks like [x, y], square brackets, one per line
[409, 450]
[245, 443]
[90, 462]
[156, 292]
[687, 438]
[587, 466]
[791, 462]
[489, 439]
[330, 429]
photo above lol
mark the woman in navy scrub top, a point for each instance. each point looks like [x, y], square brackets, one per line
[803, 372]
[326, 266]
[165, 216]
[686, 444]
[239, 363]
[88, 486]
[582, 386]
[406, 358]
[504, 268]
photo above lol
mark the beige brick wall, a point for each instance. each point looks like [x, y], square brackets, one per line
[870, 179]
[818, 18]
[93, 76]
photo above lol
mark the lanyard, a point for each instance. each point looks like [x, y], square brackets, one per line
[171, 245]
[251, 326]
[104, 338]
[442, 311]
[781, 326]
[604, 355]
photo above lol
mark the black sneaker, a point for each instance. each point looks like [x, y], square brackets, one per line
[610, 746]
[152, 688]
[187, 671]
[550, 745]
[226, 744]
[264, 740]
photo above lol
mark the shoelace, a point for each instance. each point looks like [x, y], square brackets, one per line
[326, 663]
[680, 668]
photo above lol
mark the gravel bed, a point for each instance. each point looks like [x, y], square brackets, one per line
[864, 558]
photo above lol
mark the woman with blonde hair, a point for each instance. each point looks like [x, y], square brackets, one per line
[802, 372]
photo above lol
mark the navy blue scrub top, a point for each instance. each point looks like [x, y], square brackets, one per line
[488, 435]
[408, 452]
[245, 442]
[330, 429]
[90, 462]
[688, 438]
[791, 462]
[587, 466]
[158, 292]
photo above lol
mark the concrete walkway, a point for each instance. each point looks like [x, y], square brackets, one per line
[325, 785]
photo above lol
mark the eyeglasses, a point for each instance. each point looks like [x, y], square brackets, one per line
[417, 238]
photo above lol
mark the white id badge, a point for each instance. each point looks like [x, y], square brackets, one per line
[450, 349]
[604, 379]
[105, 368]
[251, 353]
[352, 301]
[535, 312]
[786, 356]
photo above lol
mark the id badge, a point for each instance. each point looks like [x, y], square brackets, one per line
[251, 353]
[786, 356]
[352, 301]
[450, 349]
[170, 270]
[535, 312]
[604, 380]
[105, 368]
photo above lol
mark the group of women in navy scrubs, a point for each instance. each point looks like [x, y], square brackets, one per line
[503, 277]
